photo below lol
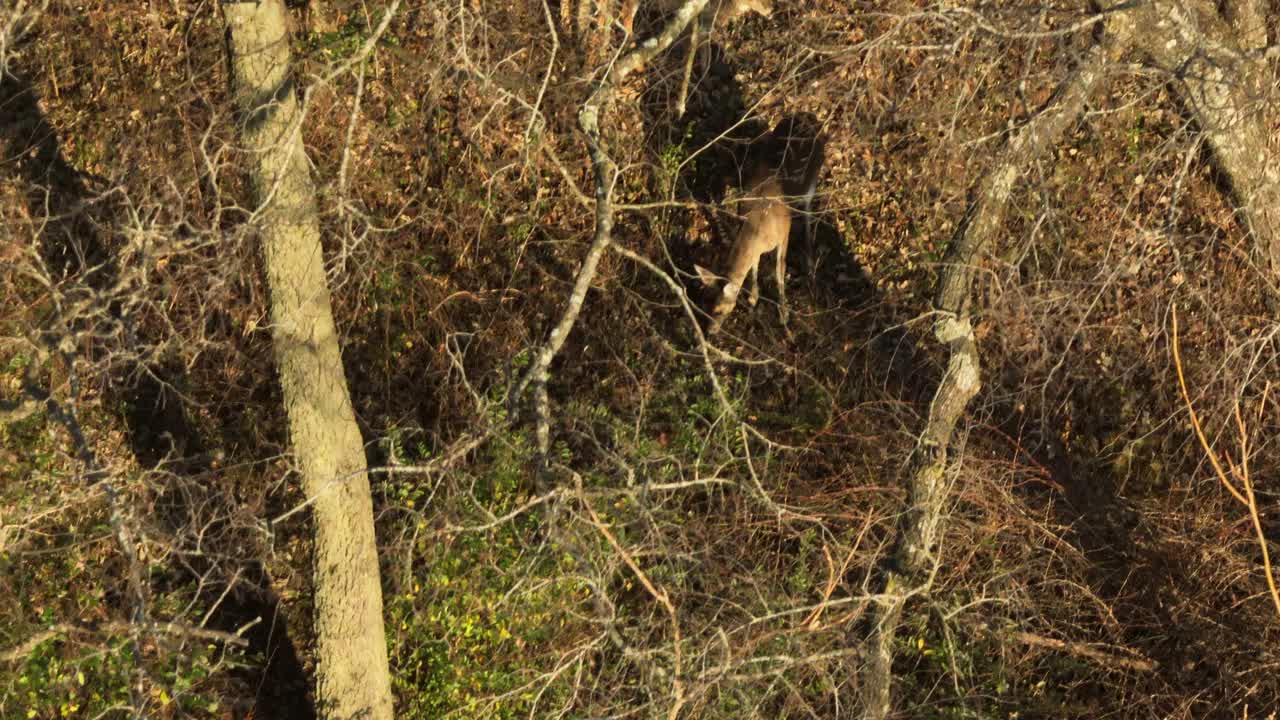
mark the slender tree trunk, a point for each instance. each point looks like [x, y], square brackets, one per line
[914, 555]
[352, 679]
[1231, 94]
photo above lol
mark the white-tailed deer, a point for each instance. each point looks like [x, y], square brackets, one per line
[719, 12]
[787, 168]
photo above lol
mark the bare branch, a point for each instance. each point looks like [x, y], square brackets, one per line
[927, 473]
[605, 177]
[19, 652]
[1131, 661]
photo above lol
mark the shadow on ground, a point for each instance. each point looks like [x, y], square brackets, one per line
[78, 214]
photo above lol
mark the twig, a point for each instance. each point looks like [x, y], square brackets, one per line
[677, 685]
[535, 115]
[683, 98]
[1195, 419]
[1253, 512]
[835, 576]
[606, 177]
[497, 520]
[23, 649]
[1247, 497]
[460, 448]
[1089, 651]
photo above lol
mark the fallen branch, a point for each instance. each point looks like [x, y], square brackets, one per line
[19, 652]
[1089, 651]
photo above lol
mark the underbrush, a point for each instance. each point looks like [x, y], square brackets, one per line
[708, 531]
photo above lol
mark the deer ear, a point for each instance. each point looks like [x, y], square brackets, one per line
[706, 276]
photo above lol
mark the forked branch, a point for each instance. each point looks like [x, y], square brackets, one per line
[605, 176]
[914, 557]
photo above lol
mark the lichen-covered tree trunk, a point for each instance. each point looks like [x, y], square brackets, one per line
[1229, 89]
[922, 523]
[352, 679]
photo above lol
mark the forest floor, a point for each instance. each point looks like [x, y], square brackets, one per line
[1091, 565]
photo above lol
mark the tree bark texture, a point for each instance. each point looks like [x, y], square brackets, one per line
[1230, 93]
[913, 557]
[1249, 19]
[352, 678]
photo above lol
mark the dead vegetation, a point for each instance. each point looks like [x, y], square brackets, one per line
[706, 529]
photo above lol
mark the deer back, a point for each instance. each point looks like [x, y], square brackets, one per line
[720, 12]
[765, 227]
[797, 149]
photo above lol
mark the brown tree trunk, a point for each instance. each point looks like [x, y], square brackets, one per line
[352, 679]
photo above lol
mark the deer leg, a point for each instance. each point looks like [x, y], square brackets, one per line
[754, 297]
[810, 221]
[810, 226]
[782, 282]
